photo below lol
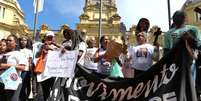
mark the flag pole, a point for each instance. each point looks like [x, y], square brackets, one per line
[169, 13]
[35, 21]
[100, 22]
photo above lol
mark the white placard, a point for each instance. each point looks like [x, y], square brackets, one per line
[61, 64]
[11, 79]
[41, 77]
[88, 62]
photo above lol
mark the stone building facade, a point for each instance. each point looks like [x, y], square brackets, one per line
[11, 19]
[193, 17]
[89, 20]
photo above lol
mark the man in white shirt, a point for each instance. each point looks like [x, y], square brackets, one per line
[90, 53]
[143, 54]
[16, 59]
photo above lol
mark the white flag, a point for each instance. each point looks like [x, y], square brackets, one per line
[40, 5]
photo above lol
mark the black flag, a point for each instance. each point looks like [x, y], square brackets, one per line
[167, 80]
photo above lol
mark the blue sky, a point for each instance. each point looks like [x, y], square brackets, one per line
[59, 12]
[67, 13]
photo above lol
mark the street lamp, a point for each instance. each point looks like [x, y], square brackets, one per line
[100, 22]
[169, 13]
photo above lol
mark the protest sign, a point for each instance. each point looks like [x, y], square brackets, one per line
[41, 77]
[60, 64]
[11, 79]
[114, 49]
[88, 59]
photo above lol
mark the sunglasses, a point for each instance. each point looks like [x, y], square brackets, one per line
[139, 35]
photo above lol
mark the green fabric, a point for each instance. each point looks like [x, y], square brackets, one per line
[168, 37]
[168, 42]
[116, 70]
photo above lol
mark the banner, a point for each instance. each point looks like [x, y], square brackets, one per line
[167, 80]
[60, 64]
[39, 4]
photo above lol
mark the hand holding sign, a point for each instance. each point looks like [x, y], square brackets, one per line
[114, 49]
[11, 79]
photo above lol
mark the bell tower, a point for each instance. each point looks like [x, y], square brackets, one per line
[89, 20]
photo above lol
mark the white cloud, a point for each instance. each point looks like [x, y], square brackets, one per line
[155, 10]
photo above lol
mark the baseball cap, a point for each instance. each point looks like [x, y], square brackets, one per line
[141, 34]
[49, 33]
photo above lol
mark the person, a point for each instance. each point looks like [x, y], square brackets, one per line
[127, 70]
[3, 50]
[82, 47]
[47, 45]
[3, 59]
[143, 25]
[26, 74]
[198, 75]
[75, 40]
[3, 46]
[17, 59]
[69, 42]
[142, 54]
[190, 34]
[179, 30]
[90, 53]
[104, 66]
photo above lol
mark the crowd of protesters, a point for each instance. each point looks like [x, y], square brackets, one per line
[24, 54]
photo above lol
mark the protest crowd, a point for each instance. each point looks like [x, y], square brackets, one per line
[29, 69]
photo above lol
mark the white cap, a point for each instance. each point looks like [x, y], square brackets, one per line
[49, 33]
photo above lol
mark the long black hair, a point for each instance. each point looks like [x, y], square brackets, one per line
[29, 42]
[179, 18]
[147, 24]
[102, 39]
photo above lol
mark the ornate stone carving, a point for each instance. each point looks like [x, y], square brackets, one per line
[44, 27]
[90, 18]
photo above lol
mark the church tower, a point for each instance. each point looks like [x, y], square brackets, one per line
[89, 20]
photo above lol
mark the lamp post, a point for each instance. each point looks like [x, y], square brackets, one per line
[169, 13]
[35, 21]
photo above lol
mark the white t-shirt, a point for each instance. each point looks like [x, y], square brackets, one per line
[1, 56]
[88, 63]
[82, 47]
[16, 57]
[104, 66]
[28, 53]
[36, 48]
[142, 56]
[67, 44]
